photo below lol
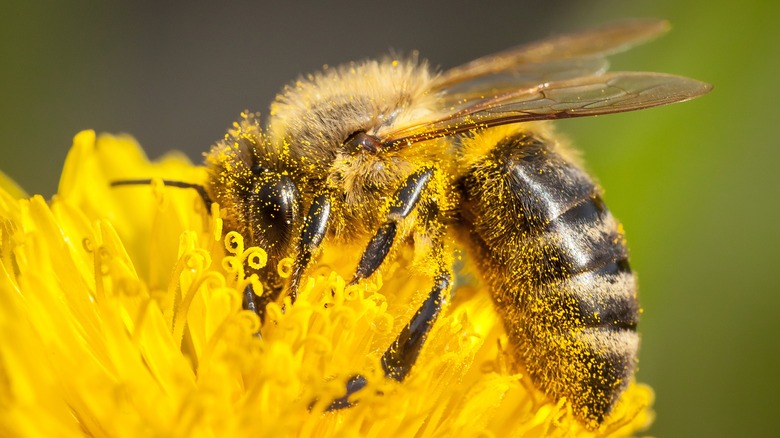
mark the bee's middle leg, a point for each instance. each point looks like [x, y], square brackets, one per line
[399, 358]
[401, 355]
[404, 201]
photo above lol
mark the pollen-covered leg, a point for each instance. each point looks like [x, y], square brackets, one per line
[314, 228]
[402, 354]
[404, 202]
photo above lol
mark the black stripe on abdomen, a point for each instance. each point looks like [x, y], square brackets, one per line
[587, 238]
[543, 185]
[585, 268]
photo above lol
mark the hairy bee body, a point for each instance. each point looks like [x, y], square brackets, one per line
[380, 154]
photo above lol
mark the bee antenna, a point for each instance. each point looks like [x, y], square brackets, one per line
[180, 184]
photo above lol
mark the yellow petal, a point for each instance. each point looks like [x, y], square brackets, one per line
[10, 187]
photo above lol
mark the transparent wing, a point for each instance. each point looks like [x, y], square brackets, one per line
[578, 97]
[560, 53]
[522, 76]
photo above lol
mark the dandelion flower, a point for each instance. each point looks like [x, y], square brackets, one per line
[121, 316]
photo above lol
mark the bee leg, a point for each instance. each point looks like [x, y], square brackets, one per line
[404, 202]
[403, 352]
[354, 384]
[400, 357]
[250, 301]
[314, 228]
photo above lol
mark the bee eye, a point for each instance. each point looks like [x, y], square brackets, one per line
[360, 141]
[272, 210]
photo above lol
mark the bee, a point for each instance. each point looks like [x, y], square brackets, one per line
[389, 153]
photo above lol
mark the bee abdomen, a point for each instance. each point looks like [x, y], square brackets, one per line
[587, 265]
[604, 300]
[557, 266]
[588, 236]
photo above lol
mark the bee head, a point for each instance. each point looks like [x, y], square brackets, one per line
[258, 200]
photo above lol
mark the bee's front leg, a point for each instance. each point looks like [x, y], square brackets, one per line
[315, 225]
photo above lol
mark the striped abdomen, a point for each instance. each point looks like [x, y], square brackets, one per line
[557, 266]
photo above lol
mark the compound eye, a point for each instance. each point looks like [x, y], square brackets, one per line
[274, 208]
[360, 141]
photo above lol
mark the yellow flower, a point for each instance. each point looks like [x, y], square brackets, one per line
[121, 316]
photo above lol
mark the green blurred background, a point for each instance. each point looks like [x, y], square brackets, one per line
[696, 185]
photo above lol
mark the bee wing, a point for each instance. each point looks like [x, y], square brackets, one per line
[578, 97]
[557, 54]
[523, 76]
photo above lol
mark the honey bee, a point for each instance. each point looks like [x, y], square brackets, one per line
[388, 152]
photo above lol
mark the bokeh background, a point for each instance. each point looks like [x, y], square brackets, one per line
[696, 185]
